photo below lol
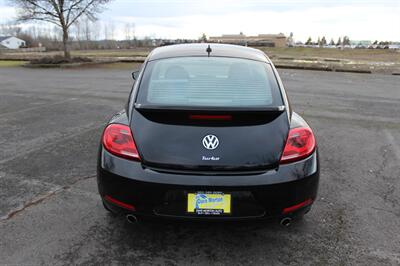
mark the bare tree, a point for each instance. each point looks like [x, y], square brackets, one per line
[55, 35]
[96, 30]
[129, 31]
[77, 29]
[62, 13]
[133, 31]
[111, 26]
[87, 29]
[9, 28]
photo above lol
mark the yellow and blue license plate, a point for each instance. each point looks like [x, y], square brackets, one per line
[209, 203]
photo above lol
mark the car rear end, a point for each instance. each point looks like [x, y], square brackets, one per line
[208, 138]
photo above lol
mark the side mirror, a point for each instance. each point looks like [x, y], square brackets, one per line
[135, 74]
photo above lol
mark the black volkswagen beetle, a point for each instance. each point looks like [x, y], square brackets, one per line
[208, 133]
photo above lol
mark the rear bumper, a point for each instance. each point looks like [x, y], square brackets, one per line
[158, 194]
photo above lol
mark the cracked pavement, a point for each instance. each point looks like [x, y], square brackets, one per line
[50, 212]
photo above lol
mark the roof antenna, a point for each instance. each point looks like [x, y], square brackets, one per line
[208, 50]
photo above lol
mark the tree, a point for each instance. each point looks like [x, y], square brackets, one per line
[87, 29]
[10, 29]
[105, 30]
[62, 13]
[339, 42]
[309, 41]
[332, 42]
[129, 31]
[346, 40]
[111, 26]
[96, 30]
[323, 41]
[203, 38]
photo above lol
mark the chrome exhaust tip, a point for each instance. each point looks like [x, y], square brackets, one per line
[286, 221]
[131, 218]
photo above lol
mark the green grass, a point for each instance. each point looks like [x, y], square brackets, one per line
[11, 63]
[364, 55]
[113, 53]
[375, 55]
[377, 60]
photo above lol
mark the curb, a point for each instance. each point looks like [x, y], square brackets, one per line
[14, 59]
[68, 65]
[360, 71]
[303, 67]
[324, 68]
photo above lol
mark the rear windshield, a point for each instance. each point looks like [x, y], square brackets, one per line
[209, 81]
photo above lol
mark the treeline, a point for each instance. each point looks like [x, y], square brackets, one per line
[322, 41]
[85, 34]
[340, 42]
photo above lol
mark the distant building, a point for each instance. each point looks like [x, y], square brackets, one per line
[11, 42]
[271, 40]
[361, 42]
[394, 46]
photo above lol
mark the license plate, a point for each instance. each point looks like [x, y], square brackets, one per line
[209, 203]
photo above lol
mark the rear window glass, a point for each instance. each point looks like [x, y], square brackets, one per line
[209, 81]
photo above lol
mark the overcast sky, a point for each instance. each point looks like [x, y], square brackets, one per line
[361, 20]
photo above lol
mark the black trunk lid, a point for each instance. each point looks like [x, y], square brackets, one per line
[173, 138]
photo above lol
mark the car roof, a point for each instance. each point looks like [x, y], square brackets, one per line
[200, 49]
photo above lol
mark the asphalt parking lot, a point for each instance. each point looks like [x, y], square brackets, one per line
[50, 212]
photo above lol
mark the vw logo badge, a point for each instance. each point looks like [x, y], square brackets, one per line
[210, 142]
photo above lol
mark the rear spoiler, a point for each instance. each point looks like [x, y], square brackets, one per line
[217, 109]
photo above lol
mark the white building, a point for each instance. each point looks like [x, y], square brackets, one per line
[11, 42]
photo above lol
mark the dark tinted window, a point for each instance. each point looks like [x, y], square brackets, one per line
[209, 81]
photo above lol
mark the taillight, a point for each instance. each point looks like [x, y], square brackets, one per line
[299, 145]
[118, 140]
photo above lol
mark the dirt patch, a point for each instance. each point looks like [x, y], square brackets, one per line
[59, 60]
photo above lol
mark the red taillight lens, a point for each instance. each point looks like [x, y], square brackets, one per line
[299, 145]
[118, 140]
[120, 203]
[297, 206]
